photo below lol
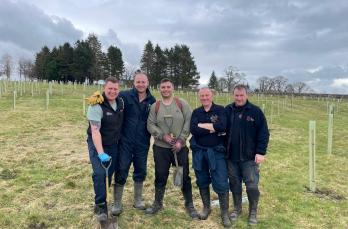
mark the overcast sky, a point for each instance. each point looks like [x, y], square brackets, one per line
[305, 40]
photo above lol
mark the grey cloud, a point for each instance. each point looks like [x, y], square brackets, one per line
[131, 52]
[30, 28]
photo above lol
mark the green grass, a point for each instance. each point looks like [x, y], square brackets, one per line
[45, 172]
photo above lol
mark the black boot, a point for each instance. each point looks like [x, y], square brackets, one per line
[237, 204]
[190, 209]
[205, 195]
[253, 196]
[117, 207]
[101, 210]
[158, 203]
[223, 201]
[138, 191]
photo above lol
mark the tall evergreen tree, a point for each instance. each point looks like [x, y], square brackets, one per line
[83, 62]
[97, 61]
[159, 66]
[41, 61]
[52, 66]
[116, 65]
[188, 69]
[147, 60]
[213, 81]
[65, 62]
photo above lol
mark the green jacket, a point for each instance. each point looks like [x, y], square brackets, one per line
[169, 120]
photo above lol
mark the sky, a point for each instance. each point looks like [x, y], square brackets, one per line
[305, 40]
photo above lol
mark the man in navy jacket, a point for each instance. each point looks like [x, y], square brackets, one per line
[247, 140]
[135, 141]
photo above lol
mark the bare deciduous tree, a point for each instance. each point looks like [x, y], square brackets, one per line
[233, 76]
[263, 83]
[6, 64]
[128, 74]
[300, 87]
[280, 83]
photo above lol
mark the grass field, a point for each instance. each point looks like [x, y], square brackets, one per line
[45, 175]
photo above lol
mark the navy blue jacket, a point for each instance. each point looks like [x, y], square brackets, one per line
[253, 131]
[215, 115]
[135, 117]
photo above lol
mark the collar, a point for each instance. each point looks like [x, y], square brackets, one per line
[212, 108]
[247, 105]
[134, 93]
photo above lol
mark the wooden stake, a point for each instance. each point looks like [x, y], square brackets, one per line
[47, 99]
[312, 156]
[14, 99]
[330, 130]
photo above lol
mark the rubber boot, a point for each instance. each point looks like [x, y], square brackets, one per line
[237, 204]
[117, 207]
[138, 191]
[223, 201]
[253, 196]
[101, 210]
[205, 195]
[158, 203]
[190, 209]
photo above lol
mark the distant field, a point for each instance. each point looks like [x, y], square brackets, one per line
[45, 173]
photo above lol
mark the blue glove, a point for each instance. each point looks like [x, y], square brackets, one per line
[104, 157]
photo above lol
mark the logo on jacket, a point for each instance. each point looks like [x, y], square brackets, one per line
[214, 118]
[108, 113]
[250, 119]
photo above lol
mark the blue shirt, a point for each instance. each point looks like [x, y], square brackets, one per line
[215, 115]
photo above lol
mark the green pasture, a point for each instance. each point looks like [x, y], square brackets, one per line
[45, 174]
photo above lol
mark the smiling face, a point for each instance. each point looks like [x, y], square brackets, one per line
[111, 90]
[166, 89]
[205, 97]
[240, 97]
[141, 82]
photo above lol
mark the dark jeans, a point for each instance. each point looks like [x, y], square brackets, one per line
[99, 173]
[210, 167]
[247, 171]
[164, 158]
[132, 153]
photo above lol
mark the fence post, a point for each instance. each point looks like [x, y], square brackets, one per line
[47, 99]
[84, 104]
[14, 99]
[312, 156]
[330, 129]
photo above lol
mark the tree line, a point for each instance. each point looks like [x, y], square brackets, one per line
[175, 63]
[272, 85]
[231, 77]
[85, 61]
[280, 85]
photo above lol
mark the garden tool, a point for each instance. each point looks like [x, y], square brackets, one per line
[112, 222]
[178, 175]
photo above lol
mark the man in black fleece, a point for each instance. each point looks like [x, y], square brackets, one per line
[247, 140]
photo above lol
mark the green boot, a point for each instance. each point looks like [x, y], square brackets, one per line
[138, 191]
[237, 204]
[117, 207]
[205, 195]
[158, 203]
[223, 201]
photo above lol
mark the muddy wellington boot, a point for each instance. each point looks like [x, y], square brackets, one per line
[138, 191]
[223, 201]
[237, 204]
[253, 196]
[101, 211]
[205, 195]
[117, 207]
[158, 203]
[190, 209]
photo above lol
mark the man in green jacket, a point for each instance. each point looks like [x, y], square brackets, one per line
[169, 124]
